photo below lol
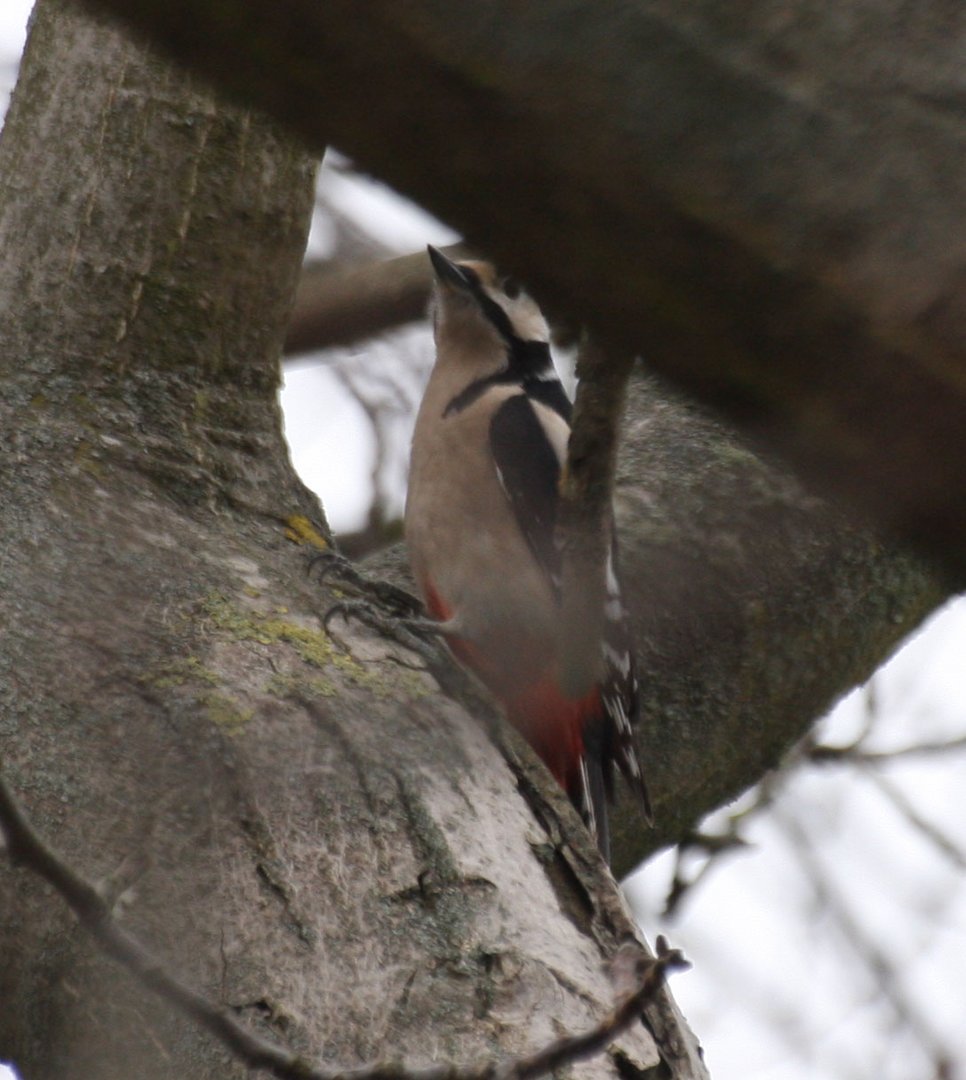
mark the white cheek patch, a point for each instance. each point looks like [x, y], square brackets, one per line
[528, 322]
[525, 317]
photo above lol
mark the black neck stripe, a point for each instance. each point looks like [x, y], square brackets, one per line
[539, 384]
[476, 390]
[528, 363]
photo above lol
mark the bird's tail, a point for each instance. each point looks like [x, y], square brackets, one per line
[563, 732]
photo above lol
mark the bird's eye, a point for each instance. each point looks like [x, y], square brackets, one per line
[511, 287]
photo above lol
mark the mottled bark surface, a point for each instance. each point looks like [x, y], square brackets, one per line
[756, 607]
[315, 838]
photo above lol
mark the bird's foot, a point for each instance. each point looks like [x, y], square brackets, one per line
[424, 637]
[421, 636]
[333, 564]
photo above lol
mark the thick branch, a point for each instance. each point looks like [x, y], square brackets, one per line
[780, 182]
[209, 730]
[27, 849]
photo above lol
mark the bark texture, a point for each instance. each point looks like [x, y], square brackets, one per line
[756, 607]
[766, 201]
[315, 838]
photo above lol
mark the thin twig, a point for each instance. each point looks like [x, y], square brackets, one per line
[651, 971]
[885, 973]
[585, 518]
[714, 845]
[26, 848]
[730, 838]
[919, 824]
[854, 753]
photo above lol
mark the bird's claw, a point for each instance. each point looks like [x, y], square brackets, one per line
[356, 609]
[329, 563]
[418, 635]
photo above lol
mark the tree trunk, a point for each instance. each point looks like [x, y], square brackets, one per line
[316, 839]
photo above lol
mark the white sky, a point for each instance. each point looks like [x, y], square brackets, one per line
[13, 20]
[778, 991]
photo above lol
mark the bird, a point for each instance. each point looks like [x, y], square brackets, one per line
[488, 450]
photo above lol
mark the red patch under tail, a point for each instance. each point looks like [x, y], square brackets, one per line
[554, 726]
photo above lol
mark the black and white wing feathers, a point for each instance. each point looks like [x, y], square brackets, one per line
[620, 691]
[529, 470]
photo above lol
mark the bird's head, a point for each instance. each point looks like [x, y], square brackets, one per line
[476, 312]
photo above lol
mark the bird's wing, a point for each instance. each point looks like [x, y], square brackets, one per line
[528, 467]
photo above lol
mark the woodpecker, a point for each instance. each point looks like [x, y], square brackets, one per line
[488, 448]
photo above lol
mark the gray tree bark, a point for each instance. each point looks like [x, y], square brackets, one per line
[317, 839]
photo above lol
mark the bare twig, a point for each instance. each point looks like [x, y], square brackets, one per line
[729, 839]
[885, 972]
[711, 844]
[651, 972]
[926, 829]
[26, 848]
[382, 391]
[855, 753]
[809, 751]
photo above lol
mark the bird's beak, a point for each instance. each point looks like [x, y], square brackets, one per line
[447, 272]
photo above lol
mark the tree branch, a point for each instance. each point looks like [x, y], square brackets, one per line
[26, 848]
[586, 517]
[885, 973]
[790, 219]
[340, 305]
[855, 753]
